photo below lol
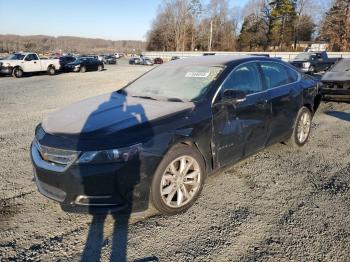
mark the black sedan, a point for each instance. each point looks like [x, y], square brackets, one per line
[66, 60]
[84, 64]
[156, 140]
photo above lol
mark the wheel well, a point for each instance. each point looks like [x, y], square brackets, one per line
[195, 146]
[308, 106]
[50, 66]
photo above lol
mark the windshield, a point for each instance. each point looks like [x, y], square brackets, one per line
[186, 83]
[15, 57]
[302, 57]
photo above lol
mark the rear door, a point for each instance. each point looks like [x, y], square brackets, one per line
[284, 93]
[240, 129]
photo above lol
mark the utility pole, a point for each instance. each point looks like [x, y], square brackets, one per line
[211, 35]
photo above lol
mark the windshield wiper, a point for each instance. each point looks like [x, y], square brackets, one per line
[175, 99]
[146, 97]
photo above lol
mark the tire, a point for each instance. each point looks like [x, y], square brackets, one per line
[100, 68]
[17, 72]
[301, 129]
[82, 69]
[312, 70]
[173, 192]
[51, 70]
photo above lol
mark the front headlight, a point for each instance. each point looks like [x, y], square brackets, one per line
[6, 65]
[110, 156]
[77, 66]
[306, 65]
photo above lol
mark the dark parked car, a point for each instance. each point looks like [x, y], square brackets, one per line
[135, 61]
[110, 60]
[66, 59]
[158, 61]
[84, 64]
[160, 136]
[175, 58]
[313, 62]
[336, 83]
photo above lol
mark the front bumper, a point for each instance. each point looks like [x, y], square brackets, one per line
[6, 70]
[99, 188]
[335, 94]
[70, 69]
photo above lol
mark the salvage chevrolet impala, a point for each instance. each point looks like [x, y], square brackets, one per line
[156, 140]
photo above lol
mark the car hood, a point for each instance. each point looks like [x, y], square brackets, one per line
[336, 77]
[108, 113]
[11, 62]
[73, 64]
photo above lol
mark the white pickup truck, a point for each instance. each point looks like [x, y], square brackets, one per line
[19, 63]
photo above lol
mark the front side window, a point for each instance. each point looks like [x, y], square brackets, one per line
[35, 57]
[245, 78]
[275, 74]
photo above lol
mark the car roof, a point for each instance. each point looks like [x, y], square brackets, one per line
[24, 53]
[217, 60]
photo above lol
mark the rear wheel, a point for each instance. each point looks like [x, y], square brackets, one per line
[51, 70]
[178, 181]
[82, 69]
[17, 72]
[302, 128]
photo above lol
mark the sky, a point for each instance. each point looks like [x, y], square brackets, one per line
[107, 19]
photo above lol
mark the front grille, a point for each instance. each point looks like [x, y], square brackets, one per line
[56, 156]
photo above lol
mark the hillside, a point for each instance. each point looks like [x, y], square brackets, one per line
[50, 44]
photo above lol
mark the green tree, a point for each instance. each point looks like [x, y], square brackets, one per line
[336, 26]
[283, 19]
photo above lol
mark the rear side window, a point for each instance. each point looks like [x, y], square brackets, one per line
[245, 78]
[35, 57]
[275, 74]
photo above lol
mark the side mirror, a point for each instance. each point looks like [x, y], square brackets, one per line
[234, 96]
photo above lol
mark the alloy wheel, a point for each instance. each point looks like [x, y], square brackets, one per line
[304, 127]
[180, 182]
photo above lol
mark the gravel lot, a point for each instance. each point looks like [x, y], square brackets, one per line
[281, 204]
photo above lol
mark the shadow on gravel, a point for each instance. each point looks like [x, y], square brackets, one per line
[114, 181]
[340, 115]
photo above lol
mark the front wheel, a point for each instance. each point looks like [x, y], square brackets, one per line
[312, 70]
[100, 68]
[178, 181]
[82, 69]
[51, 71]
[302, 128]
[17, 72]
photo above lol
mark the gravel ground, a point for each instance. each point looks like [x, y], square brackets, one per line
[281, 204]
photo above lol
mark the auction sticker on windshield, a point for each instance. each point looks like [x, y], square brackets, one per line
[197, 74]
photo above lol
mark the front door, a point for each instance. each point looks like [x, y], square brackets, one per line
[240, 129]
[31, 63]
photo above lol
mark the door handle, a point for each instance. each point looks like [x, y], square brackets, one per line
[262, 103]
[34, 62]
